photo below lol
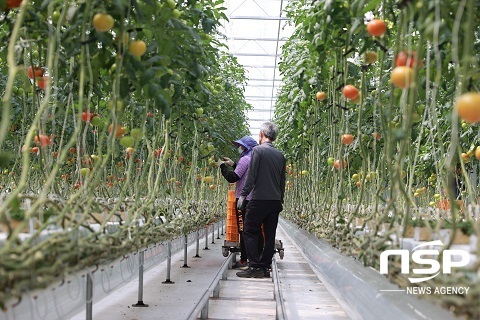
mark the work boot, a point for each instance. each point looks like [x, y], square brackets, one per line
[251, 273]
[240, 264]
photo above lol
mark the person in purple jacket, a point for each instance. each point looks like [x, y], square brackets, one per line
[238, 176]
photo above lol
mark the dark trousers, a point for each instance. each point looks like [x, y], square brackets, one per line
[243, 249]
[261, 212]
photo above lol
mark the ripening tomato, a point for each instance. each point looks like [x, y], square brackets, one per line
[137, 48]
[376, 136]
[468, 107]
[409, 59]
[350, 92]
[340, 165]
[371, 57]
[402, 77]
[103, 22]
[35, 72]
[42, 140]
[321, 96]
[376, 27]
[34, 150]
[347, 139]
[477, 153]
[118, 130]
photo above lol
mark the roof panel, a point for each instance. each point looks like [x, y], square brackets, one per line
[255, 32]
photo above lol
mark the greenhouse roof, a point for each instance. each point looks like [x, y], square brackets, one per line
[255, 33]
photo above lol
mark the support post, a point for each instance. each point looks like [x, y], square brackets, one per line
[204, 312]
[223, 226]
[169, 263]
[206, 239]
[185, 248]
[198, 245]
[213, 233]
[218, 230]
[141, 260]
[89, 297]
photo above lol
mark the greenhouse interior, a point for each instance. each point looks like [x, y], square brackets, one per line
[118, 119]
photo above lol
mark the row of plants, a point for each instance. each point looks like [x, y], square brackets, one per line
[378, 114]
[112, 112]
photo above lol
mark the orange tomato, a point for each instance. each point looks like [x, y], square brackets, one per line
[137, 48]
[34, 150]
[158, 152]
[347, 139]
[118, 131]
[376, 27]
[42, 140]
[103, 22]
[376, 136]
[477, 153]
[468, 107]
[402, 77]
[340, 165]
[350, 92]
[321, 96]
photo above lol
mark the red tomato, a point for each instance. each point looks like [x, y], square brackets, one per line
[35, 72]
[87, 116]
[43, 82]
[13, 3]
[408, 59]
[350, 92]
[376, 27]
[42, 140]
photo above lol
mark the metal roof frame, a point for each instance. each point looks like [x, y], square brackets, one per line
[245, 45]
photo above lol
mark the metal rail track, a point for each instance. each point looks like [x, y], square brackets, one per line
[201, 311]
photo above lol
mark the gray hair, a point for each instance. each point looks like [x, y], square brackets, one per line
[270, 130]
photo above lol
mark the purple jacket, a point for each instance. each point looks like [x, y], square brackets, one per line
[240, 172]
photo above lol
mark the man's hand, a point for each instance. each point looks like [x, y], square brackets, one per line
[228, 161]
[240, 203]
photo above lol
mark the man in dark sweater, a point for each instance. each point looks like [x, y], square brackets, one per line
[266, 186]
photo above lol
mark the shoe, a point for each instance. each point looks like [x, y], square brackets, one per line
[251, 273]
[240, 264]
[266, 273]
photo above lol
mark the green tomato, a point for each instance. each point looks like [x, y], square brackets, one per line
[171, 4]
[330, 161]
[136, 133]
[55, 16]
[96, 121]
[176, 13]
[127, 141]
[84, 172]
